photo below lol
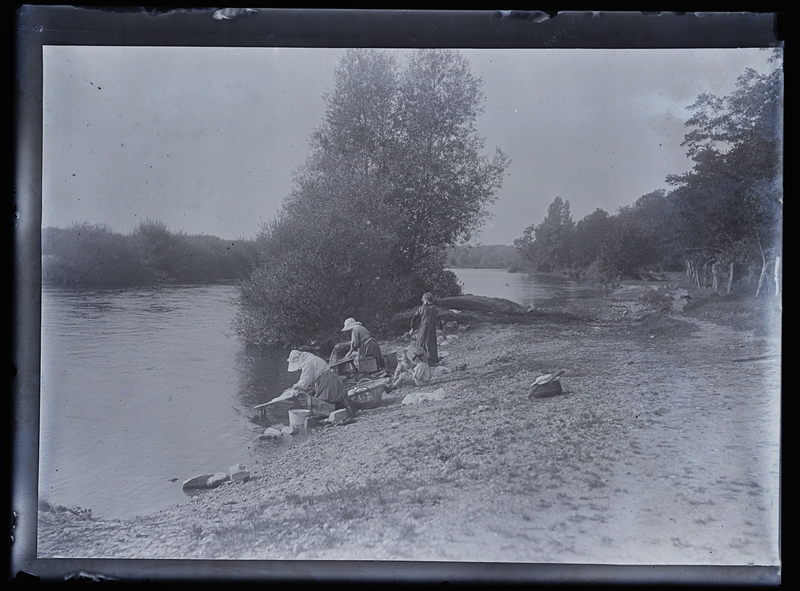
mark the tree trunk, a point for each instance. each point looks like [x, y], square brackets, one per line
[714, 276]
[692, 272]
[730, 279]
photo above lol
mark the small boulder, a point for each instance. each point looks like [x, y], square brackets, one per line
[338, 416]
[481, 408]
[417, 397]
[197, 482]
[238, 473]
[217, 479]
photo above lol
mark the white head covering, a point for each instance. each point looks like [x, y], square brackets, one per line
[294, 360]
[349, 324]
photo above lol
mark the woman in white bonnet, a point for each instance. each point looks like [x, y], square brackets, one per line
[329, 393]
[361, 342]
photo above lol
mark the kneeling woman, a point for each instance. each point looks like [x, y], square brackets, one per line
[325, 391]
[362, 343]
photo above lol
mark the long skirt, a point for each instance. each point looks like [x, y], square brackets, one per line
[329, 388]
[371, 349]
[426, 338]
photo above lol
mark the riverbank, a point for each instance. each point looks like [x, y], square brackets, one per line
[664, 449]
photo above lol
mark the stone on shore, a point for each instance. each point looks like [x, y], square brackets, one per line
[217, 479]
[197, 482]
[238, 473]
[417, 397]
[338, 416]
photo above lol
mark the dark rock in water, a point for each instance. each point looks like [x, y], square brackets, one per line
[197, 482]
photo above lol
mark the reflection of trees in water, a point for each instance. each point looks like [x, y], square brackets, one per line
[263, 374]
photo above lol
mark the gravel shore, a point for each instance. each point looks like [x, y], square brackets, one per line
[663, 449]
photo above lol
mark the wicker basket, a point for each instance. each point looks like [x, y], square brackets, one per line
[368, 393]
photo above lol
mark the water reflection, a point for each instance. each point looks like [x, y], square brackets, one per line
[536, 289]
[263, 375]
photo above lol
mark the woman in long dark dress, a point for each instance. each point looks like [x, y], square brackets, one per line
[425, 321]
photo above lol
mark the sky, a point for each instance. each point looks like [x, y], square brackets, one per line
[205, 139]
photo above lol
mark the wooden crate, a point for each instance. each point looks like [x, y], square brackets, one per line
[366, 364]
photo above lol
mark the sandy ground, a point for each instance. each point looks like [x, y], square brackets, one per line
[664, 449]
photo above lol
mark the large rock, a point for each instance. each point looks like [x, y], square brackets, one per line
[483, 304]
[197, 482]
[217, 479]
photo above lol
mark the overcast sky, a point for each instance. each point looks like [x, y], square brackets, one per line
[205, 139]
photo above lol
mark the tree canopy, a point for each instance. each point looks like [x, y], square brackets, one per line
[728, 209]
[549, 245]
[396, 174]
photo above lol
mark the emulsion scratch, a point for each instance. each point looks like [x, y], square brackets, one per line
[231, 13]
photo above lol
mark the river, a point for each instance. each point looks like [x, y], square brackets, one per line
[522, 288]
[143, 388]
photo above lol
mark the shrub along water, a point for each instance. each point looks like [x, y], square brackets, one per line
[87, 254]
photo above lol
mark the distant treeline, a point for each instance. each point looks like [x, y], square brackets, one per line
[721, 222]
[484, 256]
[93, 254]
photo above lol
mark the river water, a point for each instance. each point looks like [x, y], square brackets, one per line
[143, 388]
[528, 290]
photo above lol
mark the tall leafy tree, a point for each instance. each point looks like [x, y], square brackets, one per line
[731, 202]
[548, 246]
[444, 181]
[395, 175]
[590, 232]
[626, 249]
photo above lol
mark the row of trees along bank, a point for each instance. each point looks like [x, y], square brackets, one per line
[396, 174]
[86, 254]
[721, 222]
[484, 256]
